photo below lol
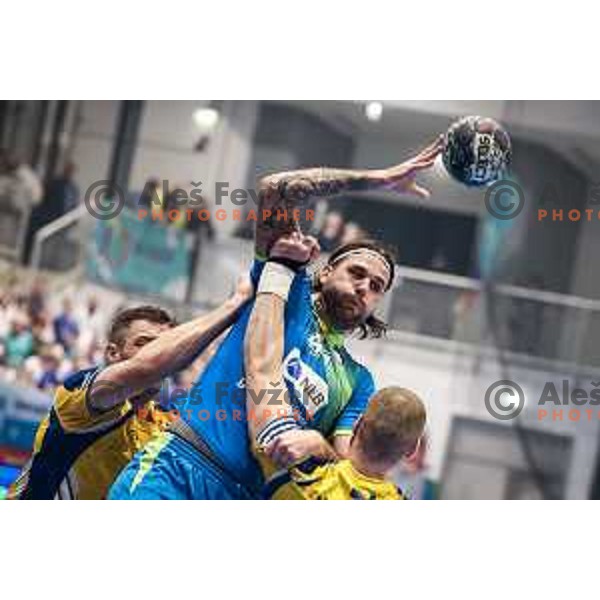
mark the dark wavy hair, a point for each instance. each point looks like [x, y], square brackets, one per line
[373, 327]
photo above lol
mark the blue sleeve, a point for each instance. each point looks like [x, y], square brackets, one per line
[255, 270]
[364, 388]
[301, 287]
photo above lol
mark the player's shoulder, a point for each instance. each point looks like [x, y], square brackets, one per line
[362, 487]
[361, 373]
[74, 388]
[80, 380]
[298, 481]
[71, 402]
[350, 357]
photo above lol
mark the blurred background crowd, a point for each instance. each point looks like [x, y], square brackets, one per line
[40, 343]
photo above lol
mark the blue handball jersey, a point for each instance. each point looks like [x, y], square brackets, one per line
[328, 389]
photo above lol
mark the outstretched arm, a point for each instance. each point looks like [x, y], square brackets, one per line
[289, 189]
[172, 351]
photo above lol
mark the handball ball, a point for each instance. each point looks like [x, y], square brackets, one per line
[477, 151]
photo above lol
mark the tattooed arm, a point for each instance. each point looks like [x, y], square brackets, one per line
[287, 191]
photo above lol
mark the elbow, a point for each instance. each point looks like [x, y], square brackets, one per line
[268, 182]
[255, 372]
[272, 187]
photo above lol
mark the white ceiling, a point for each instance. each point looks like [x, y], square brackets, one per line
[572, 128]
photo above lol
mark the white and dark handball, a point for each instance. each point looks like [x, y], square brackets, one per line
[477, 151]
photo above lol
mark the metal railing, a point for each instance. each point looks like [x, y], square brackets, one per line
[513, 319]
[59, 245]
[426, 304]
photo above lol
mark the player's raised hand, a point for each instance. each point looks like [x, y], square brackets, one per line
[296, 247]
[401, 178]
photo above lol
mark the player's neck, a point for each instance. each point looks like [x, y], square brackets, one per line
[364, 466]
[325, 317]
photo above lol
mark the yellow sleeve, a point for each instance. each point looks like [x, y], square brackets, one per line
[40, 433]
[73, 412]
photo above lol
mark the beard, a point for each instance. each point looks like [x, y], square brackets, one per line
[343, 309]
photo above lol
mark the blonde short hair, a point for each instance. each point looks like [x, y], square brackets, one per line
[392, 425]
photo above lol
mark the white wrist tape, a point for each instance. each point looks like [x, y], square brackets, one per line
[276, 279]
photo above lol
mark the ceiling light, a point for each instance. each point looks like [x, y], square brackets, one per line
[373, 111]
[206, 119]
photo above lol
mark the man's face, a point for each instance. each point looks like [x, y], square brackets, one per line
[353, 287]
[139, 333]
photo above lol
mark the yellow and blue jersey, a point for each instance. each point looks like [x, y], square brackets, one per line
[317, 480]
[328, 389]
[79, 452]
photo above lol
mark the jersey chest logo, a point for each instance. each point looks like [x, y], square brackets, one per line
[311, 389]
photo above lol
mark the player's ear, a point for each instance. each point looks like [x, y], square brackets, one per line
[323, 275]
[410, 453]
[112, 353]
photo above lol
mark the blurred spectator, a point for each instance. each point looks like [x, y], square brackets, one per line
[91, 326]
[18, 344]
[31, 183]
[49, 376]
[62, 193]
[352, 233]
[42, 333]
[151, 196]
[332, 231]
[7, 180]
[8, 312]
[202, 228]
[177, 199]
[60, 196]
[66, 330]
[20, 187]
[37, 299]
[201, 232]
[31, 350]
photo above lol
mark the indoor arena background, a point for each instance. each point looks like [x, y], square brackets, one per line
[483, 303]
